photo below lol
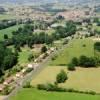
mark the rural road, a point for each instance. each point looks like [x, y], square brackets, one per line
[32, 74]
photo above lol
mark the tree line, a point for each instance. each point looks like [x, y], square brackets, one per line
[26, 35]
[7, 58]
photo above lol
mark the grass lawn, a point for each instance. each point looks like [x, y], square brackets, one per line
[82, 79]
[23, 57]
[24, 54]
[75, 49]
[33, 94]
[8, 31]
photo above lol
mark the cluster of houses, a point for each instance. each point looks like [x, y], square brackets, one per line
[26, 70]
[24, 12]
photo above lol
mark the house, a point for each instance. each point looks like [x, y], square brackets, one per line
[30, 65]
[2, 87]
[19, 75]
[8, 80]
[52, 49]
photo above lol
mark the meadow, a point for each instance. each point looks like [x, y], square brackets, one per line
[24, 54]
[8, 31]
[76, 48]
[33, 94]
[82, 79]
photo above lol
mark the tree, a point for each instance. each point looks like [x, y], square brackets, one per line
[43, 49]
[61, 77]
[5, 36]
[87, 61]
[7, 58]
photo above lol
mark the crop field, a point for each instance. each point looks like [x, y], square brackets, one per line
[76, 48]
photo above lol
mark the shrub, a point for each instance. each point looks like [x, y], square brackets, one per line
[92, 92]
[53, 87]
[54, 57]
[61, 77]
[27, 85]
[70, 90]
[71, 67]
[31, 57]
[43, 49]
[5, 36]
[50, 87]
[1, 80]
[41, 87]
[28, 70]
[84, 45]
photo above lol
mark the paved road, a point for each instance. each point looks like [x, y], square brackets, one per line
[31, 75]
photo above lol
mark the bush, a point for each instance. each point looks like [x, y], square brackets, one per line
[71, 67]
[50, 87]
[5, 36]
[61, 77]
[41, 87]
[53, 87]
[92, 92]
[54, 57]
[31, 57]
[43, 49]
[84, 45]
[1, 80]
[27, 85]
[28, 70]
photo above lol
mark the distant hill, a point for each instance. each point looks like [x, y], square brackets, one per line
[46, 1]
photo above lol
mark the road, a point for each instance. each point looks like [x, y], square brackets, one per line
[32, 74]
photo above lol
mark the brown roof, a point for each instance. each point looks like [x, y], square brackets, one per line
[9, 80]
[1, 87]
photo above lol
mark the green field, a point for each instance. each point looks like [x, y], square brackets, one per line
[24, 54]
[8, 31]
[33, 94]
[23, 57]
[75, 49]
